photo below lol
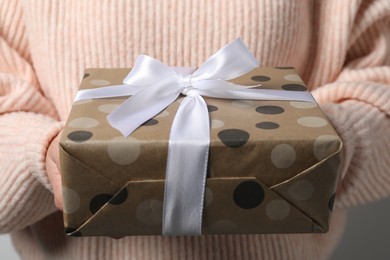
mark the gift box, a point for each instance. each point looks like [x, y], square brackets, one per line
[273, 165]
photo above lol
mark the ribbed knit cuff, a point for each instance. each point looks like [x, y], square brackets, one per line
[37, 131]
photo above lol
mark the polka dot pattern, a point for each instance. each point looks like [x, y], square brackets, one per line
[325, 145]
[99, 201]
[242, 103]
[80, 136]
[124, 151]
[83, 122]
[120, 197]
[312, 121]
[211, 108]
[215, 123]
[234, 137]
[301, 190]
[149, 212]
[100, 82]
[208, 197]
[260, 78]
[294, 87]
[73, 202]
[331, 202]
[107, 108]
[292, 77]
[248, 195]
[267, 125]
[277, 209]
[269, 110]
[150, 122]
[283, 156]
[303, 105]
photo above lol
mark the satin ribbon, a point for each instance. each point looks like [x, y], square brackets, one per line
[153, 86]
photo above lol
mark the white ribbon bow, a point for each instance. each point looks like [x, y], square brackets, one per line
[154, 86]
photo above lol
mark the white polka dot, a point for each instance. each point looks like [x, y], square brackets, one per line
[303, 105]
[283, 156]
[301, 190]
[312, 121]
[293, 77]
[242, 103]
[215, 123]
[123, 150]
[150, 212]
[224, 226]
[71, 200]
[100, 82]
[163, 114]
[107, 108]
[208, 196]
[83, 122]
[277, 209]
[325, 145]
[82, 102]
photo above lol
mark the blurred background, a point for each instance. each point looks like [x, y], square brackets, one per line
[367, 235]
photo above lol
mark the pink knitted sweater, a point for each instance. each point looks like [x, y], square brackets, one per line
[341, 48]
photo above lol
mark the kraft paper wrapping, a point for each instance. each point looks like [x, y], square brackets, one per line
[273, 165]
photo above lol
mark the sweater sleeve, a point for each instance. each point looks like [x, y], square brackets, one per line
[28, 124]
[357, 103]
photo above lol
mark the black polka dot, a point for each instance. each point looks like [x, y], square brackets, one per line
[85, 75]
[248, 195]
[119, 198]
[98, 201]
[331, 202]
[285, 68]
[211, 108]
[269, 110]
[150, 122]
[260, 78]
[267, 125]
[233, 137]
[294, 87]
[80, 136]
[72, 232]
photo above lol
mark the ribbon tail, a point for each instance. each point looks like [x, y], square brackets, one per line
[144, 105]
[186, 169]
[106, 92]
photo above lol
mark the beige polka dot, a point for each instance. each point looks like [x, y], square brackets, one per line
[163, 114]
[208, 196]
[71, 200]
[301, 190]
[83, 122]
[107, 108]
[150, 212]
[242, 103]
[277, 209]
[100, 82]
[224, 226]
[215, 123]
[283, 156]
[312, 121]
[293, 77]
[325, 145]
[303, 105]
[82, 102]
[123, 150]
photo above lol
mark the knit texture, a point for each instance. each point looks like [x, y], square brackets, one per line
[341, 48]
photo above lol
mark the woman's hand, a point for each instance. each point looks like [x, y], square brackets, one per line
[53, 171]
